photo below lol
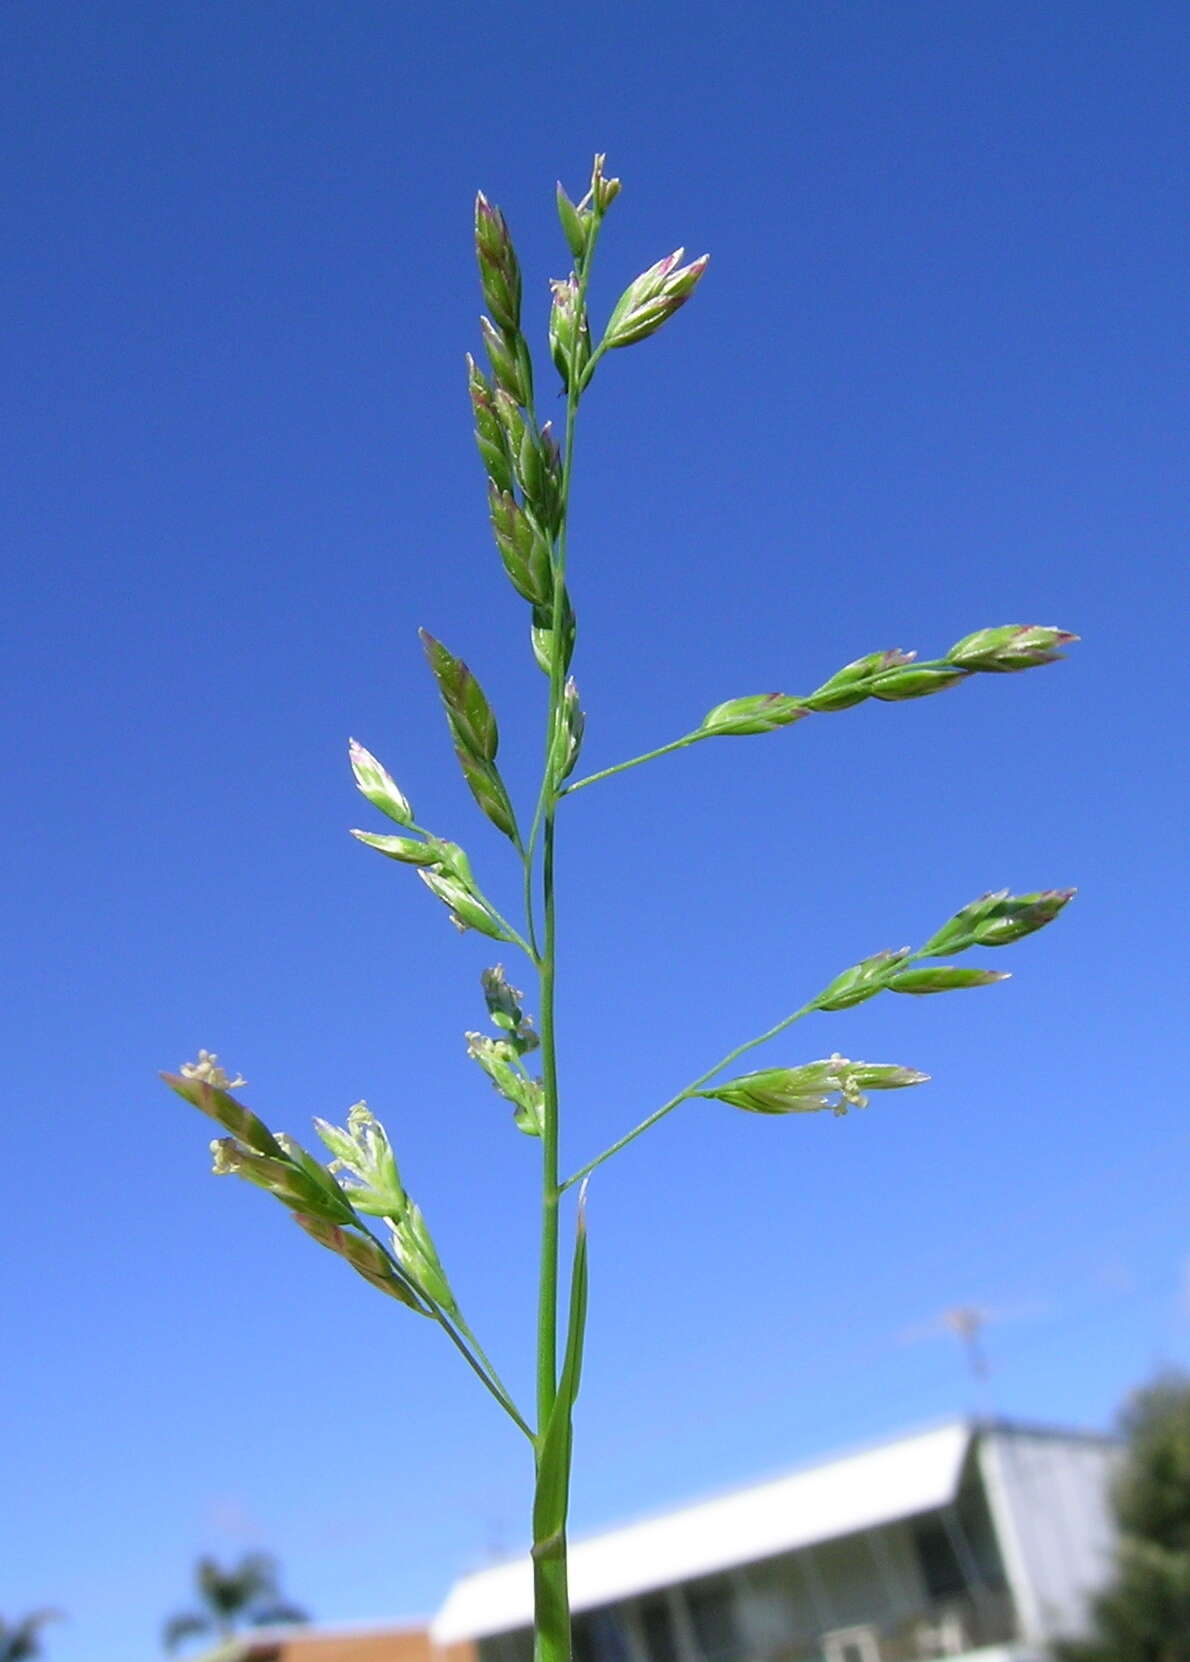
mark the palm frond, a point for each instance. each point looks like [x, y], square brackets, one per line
[19, 1643]
[279, 1614]
[257, 1574]
[187, 1625]
[244, 1593]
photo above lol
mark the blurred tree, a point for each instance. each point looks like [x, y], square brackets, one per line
[21, 1641]
[244, 1596]
[1144, 1614]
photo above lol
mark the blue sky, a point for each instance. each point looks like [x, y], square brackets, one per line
[934, 379]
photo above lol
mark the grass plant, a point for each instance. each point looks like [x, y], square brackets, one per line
[356, 1204]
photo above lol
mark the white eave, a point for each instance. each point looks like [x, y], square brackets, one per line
[861, 1491]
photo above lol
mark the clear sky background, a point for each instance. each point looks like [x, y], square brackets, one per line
[934, 379]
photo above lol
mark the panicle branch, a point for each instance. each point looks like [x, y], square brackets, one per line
[892, 676]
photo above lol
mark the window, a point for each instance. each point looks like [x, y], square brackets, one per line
[849, 1580]
[936, 1557]
[656, 1629]
[599, 1637]
[775, 1607]
[851, 1644]
[975, 1521]
[507, 1647]
[712, 1608]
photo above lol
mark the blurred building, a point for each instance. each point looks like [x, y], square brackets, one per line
[392, 1644]
[969, 1539]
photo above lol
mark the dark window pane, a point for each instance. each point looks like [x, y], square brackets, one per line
[507, 1647]
[599, 1637]
[975, 1520]
[713, 1617]
[940, 1568]
[850, 1577]
[656, 1626]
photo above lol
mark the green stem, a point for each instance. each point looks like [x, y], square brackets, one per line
[550, 1592]
[551, 1600]
[547, 1313]
[649, 756]
[547, 1307]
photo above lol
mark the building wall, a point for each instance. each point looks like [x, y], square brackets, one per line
[872, 1596]
[393, 1645]
[1049, 1495]
[1005, 1555]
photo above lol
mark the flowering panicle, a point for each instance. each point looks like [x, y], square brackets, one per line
[356, 1204]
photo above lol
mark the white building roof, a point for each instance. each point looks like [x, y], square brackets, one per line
[860, 1491]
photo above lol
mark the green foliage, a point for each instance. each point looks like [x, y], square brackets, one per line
[1144, 1615]
[21, 1641]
